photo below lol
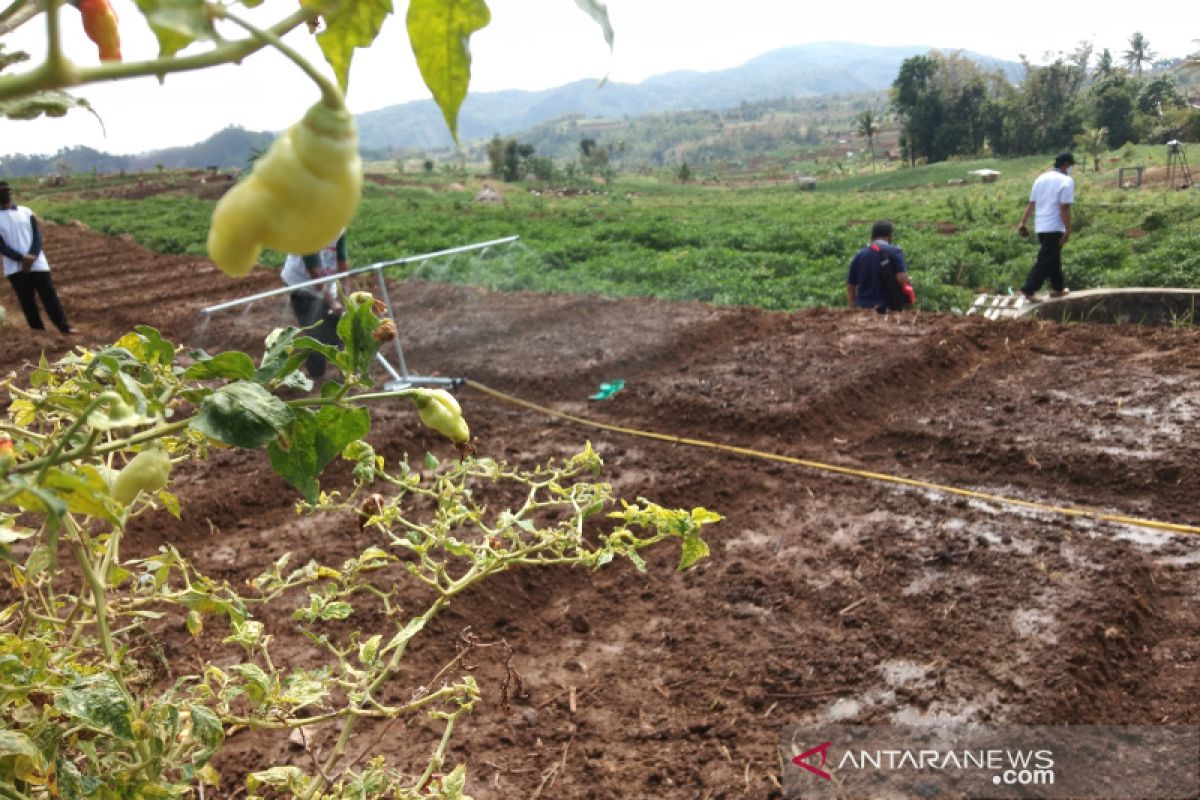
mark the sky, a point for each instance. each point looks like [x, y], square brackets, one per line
[538, 44]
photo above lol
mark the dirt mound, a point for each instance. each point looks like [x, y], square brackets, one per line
[828, 597]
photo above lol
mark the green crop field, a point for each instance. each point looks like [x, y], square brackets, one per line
[767, 245]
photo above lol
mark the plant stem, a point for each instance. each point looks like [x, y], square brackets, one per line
[100, 598]
[110, 447]
[18, 13]
[439, 755]
[41, 77]
[331, 95]
[79, 422]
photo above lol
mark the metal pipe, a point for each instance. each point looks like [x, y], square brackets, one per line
[357, 271]
[391, 370]
[387, 300]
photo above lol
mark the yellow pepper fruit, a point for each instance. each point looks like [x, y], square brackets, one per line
[147, 472]
[300, 195]
[440, 411]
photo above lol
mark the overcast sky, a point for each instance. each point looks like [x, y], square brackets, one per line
[536, 44]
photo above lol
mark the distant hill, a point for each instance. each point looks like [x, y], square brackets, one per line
[807, 71]
[826, 68]
[227, 148]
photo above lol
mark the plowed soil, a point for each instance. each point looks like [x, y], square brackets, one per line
[827, 597]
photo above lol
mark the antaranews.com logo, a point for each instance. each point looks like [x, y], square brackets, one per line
[992, 761]
[1008, 767]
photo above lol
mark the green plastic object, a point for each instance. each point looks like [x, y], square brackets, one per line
[608, 389]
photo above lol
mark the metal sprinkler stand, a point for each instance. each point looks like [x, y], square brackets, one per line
[401, 378]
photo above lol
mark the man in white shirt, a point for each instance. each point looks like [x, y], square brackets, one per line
[1050, 202]
[317, 304]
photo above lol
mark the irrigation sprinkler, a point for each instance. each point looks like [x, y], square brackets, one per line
[400, 377]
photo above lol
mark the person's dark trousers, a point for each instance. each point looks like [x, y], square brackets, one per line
[311, 309]
[30, 285]
[1048, 264]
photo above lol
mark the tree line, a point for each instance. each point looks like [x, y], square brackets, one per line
[947, 105]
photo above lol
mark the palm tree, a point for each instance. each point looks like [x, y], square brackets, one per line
[1138, 54]
[868, 126]
[1092, 142]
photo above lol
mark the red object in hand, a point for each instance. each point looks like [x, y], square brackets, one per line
[100, 25]
[910, 293]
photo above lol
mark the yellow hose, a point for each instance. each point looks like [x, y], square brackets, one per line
[1067, 511]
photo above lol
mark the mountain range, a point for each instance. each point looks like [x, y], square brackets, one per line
[826, 68]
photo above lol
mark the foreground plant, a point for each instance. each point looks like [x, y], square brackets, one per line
[86, 711]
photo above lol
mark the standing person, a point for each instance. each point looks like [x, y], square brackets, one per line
[878, 276]
[1051, 198]
[318, 304]
[25, 264]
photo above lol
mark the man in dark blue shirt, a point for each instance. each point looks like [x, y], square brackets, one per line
[865, 286]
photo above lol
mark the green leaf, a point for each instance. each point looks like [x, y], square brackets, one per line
[85, 491]
[170, 502]
[403, 636]
[232, 365]
[243, 414]
[49, 102]
[439, 32]
[98, 701]
[279, 359]
[355, 329]
[195, 623]
[307, 343]
[314, 440]
[38, 499]
[19, 757]
[599, 13]
[694, 549]
[350, 25]
[176, 23]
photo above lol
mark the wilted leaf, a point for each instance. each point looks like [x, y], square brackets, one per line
[20, 758]
[598, 12]
[291, 779]
[50, 103]
[694, 549]
[439, 32]
[351, 25]
[176, 23]
[98, 701]
[206, 728]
